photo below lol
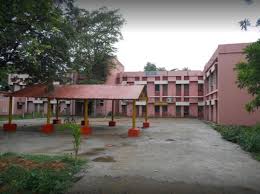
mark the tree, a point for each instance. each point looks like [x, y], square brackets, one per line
[48, 39]
[96, 34]
[152, 67]
[248, 74]
[33, 39]
[245, 23]
[161, 69]
[185, 69]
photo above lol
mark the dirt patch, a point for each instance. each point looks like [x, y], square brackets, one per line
[99, 149]
[68, 150]
[170, 140]
[123, 136]
[93, 152]
[141, 185]
[29, 164]
[104, 159]
[125, 144]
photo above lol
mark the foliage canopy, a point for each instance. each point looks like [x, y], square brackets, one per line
[49, 39]
[248, 74]
[152, 67]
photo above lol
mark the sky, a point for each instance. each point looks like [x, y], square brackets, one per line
[178, 33]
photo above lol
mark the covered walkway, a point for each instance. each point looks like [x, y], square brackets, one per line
[86, 93]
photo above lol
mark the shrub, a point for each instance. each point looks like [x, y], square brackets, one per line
[76, 133]
[231, 133]
[41, 179]
[247, 137]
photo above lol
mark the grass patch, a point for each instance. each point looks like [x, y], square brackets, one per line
[41, 174]
[247, 137]
[25, 116]
[257, 156]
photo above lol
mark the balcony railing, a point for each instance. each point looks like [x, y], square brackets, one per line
[157, 114]
[165, 114]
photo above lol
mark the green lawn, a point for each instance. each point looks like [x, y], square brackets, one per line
[41, 174]
[26, 116]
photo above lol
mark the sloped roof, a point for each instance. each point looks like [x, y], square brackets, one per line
[106, 92]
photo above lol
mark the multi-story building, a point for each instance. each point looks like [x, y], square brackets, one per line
[72, 107]
[224, 101]
[171, 93]
[211, 94]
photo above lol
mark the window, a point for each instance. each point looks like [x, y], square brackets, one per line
[165, 90]
[211, 78]
[157, 78]
[178, 111]
[165, 78]
[200, 78]
[164, 110]
[200, 89]
[124, 78]
[19, 105]
[178, 77]
[186, 111]
[200, 112]
[178, 90]
[124, 110]
[137, 78]
[157, 88]
[144, 78]
[118, 80]
[186, 77]
[186, 90]
[157, 109]
[101, 102]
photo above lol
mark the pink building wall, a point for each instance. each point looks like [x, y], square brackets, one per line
[112, 80]
[221, 101]
[193, 110]
[230, 105]
[166, 98]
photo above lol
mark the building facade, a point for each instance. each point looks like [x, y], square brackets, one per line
[224, 101]
[171, 93]
[211, 94]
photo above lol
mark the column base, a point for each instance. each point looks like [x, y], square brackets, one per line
[56, 121]
[112, 123]
[9, 127]
[47, 128]
[146, 124]
[83, 123]
[134, 132]
[86, 130]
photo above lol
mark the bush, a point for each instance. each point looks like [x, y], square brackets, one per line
[230, 133]
[20, 179]
[247, 137]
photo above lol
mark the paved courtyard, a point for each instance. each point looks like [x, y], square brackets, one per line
[172, 156]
